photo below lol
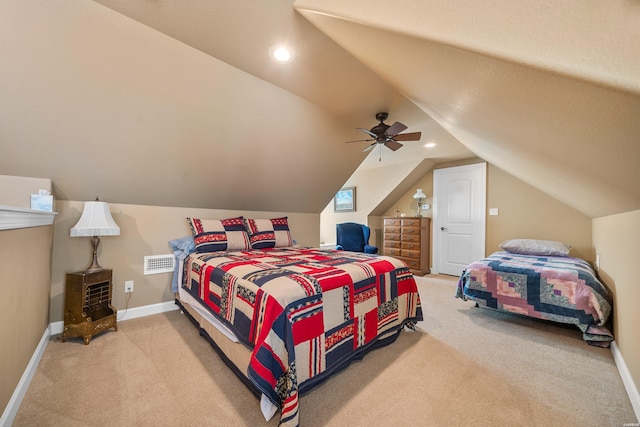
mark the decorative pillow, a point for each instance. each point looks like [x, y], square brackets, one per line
[269, 233]
[212, 235]
[535, 247]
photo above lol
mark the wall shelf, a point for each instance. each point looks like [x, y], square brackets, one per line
[12, 217]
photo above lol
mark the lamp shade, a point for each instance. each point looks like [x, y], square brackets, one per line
[96, 220]
[419, 194]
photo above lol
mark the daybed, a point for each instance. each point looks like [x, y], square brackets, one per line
[537, 278]
[287, 317]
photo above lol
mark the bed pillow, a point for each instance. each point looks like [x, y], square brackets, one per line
[213, 235]
[269, 233]
[535, 247]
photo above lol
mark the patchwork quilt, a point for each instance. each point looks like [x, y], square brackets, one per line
[560, 289]
[305, 313]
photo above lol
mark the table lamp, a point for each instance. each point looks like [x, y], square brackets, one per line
[95, 221]
[419, 196]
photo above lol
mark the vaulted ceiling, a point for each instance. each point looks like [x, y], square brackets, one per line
[548, 91]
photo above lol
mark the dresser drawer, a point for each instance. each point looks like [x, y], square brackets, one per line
[411, 238]
[393, 221]
[392, 229]
[410, 230]
[412, 263]
[414, 246]
[394, 252]
[411, 222]
[409, 253]
[392, 244]
[391, 236]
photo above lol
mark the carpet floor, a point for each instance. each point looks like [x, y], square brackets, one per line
[463, 365]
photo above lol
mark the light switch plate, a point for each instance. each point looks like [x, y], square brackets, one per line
[493, 211]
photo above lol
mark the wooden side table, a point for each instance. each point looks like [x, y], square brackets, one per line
[87, 305]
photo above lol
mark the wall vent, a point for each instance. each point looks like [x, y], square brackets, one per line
[154, 264]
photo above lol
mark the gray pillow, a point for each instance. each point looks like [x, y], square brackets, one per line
[535, 247]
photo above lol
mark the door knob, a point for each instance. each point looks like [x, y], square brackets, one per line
[443, 228]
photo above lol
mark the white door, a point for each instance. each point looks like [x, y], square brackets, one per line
[459, 203]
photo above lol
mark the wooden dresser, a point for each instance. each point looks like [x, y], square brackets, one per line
[407, 238]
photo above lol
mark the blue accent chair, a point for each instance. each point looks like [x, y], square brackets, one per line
[354, 237]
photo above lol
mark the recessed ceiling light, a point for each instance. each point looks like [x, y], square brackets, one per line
[430, 145]
[281, 53]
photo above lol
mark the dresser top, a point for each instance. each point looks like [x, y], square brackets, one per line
[406, 217]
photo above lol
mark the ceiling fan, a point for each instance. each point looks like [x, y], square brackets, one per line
[387, 135]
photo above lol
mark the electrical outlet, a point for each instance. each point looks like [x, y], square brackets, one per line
[128, 286]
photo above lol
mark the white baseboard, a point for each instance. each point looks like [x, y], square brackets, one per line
[131, 313]
[21, 389]
[627, 380]
[56, 328]
[147, 310]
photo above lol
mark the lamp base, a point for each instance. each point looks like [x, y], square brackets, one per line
[95, 242]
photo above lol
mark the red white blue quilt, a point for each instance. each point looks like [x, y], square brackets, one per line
[305, 312]
[560, 289]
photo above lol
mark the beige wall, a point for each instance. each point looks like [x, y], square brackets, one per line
[25, 272]
[144, 230]
[96, 101]
[374, 186]
[615, 238]
[524, 212]
[406, 205]
[16, 191]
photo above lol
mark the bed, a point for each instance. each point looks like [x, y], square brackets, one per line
[532, 280]
[286, 317]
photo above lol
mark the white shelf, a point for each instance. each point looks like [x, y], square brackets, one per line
[12, 217]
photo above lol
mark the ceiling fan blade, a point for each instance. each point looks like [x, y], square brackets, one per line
[370, 147]
[393, 145]
[412, 136]
[395, 129]
[360, 140]
[368, 132]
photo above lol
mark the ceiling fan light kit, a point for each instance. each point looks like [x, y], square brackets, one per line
[387, 135]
